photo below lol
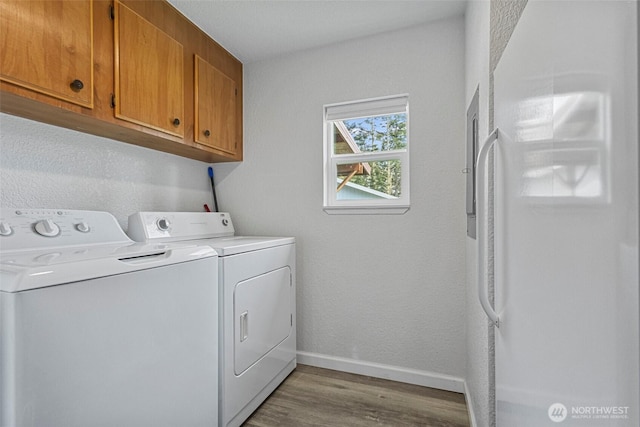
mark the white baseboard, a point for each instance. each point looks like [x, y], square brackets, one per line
[472, 415]
[388, 372]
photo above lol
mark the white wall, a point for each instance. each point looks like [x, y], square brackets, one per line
[478, 378]
[43, 166]
[387, 289]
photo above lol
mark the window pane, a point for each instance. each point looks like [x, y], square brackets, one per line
[378, 180]
[370, 134]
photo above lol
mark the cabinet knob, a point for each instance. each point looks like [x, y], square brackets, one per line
[207, 133]
[77, 85]
[176, 122]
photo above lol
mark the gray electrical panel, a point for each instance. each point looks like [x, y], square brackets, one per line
[470, 169]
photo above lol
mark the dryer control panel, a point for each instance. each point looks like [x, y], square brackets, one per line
[25, 229]
[174, 226]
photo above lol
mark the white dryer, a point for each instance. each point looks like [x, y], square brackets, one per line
[257, 303]
[96, 330]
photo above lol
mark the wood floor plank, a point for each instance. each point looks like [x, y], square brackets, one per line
[313, 396]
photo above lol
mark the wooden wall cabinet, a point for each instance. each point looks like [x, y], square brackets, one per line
[48, 47]
[149, 74]
[142, 80]
[215, 105]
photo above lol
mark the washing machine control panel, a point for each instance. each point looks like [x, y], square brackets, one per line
[41, 228]
[167, 226]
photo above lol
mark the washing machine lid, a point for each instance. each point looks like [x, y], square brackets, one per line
[27, 270]
[225, 246]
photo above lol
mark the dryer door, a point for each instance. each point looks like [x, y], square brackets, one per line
[263, 318]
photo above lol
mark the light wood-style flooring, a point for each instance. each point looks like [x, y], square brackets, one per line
[313, 396]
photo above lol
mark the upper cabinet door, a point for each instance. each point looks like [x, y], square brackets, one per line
[149, 74]
[215, 108]
[47, 46]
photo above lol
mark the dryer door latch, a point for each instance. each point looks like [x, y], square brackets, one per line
[244, 326]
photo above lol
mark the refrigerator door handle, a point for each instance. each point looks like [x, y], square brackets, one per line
[481, 202]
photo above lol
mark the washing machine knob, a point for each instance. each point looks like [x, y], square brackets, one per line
[163, 224]
[225, 222]
[47, 228]
[5, 229]
[83, 227]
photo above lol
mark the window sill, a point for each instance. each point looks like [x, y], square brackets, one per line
[366, 210]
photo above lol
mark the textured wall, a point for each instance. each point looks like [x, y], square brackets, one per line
[380, 288]
[43, 166]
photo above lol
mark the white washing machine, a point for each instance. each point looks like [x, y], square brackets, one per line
[96, 330]
[257, 303]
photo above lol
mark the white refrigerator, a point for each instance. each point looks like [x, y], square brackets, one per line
[565, 188]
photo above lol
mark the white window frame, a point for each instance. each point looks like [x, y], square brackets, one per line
[371, 107]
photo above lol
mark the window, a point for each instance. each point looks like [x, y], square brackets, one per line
[366, 160]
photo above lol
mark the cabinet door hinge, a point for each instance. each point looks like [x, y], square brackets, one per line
[113, 101]
[236, 92]
[112, 12]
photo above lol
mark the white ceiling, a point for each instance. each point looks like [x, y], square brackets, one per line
[253, 30]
